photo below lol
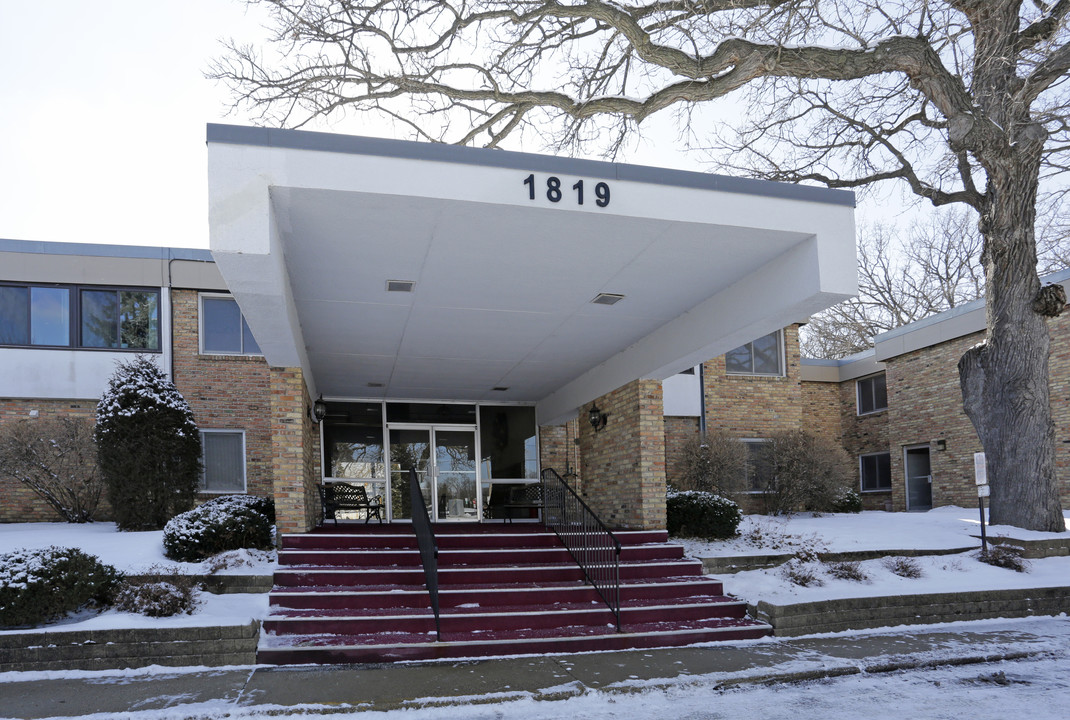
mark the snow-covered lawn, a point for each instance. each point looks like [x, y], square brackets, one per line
[938, 529]
[128, 552]
[941, 528]
[142, 552]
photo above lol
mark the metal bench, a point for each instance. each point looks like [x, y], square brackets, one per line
[528, 497]
[343, 496]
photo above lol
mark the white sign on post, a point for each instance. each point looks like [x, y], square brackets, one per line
[983, 491]
[980, 470]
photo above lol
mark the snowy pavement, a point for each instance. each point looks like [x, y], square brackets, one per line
[981, 669]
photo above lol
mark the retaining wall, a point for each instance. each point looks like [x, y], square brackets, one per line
[112, 649]
[874, 612]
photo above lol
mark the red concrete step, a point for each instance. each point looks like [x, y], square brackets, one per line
[464, 556]
[341, 576]
[362, 648]
[458, 620]
[319, 597]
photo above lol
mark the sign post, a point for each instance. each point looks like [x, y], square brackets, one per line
[980, 474]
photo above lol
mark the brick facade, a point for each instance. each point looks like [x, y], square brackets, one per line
[925, 405]
[678, 431]
[225, 392]
[624, 462]
[295, 452]
[755, 406]
[559, 449]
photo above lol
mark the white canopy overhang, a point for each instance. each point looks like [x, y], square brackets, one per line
[308, 228]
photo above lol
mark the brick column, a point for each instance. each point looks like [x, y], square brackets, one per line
[558, 449]
[624, 462]
[294, 439]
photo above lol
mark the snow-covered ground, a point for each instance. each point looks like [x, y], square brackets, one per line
[142, 552]
[941, 528]
[128, 552]
[938, 529]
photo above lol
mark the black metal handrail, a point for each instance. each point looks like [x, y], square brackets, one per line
[425, 538]
[592, 545]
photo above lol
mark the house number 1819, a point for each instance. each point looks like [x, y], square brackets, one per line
[555, 192]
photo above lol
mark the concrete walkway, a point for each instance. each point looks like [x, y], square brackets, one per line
[382, 687]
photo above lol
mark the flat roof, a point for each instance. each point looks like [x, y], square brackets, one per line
[507, 252]
[484, 157]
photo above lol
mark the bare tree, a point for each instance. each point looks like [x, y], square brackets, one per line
[964, 101]
[57, 459]
[901, 280]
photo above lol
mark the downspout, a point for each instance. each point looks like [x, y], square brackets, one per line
[702, 402]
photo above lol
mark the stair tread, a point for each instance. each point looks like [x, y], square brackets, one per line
[475, 609]
[270, 640]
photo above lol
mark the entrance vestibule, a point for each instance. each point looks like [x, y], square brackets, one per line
[467, 456]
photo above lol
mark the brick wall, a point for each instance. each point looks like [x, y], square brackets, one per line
[861, 435]
[294, 452]
[624, 463]
[925, 404]
[678, 431]
[751, 405]
[225, 392]
[558, 444]
[17, 502]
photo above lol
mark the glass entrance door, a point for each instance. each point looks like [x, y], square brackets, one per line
[446, 468]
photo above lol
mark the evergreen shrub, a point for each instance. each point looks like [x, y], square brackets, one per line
[149, 446]
[222, 524]
[847, 501]
[42, 584]
[692, 513]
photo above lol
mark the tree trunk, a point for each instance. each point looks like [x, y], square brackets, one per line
[1005, 381]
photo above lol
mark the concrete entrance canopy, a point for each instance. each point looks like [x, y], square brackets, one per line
[308, 228]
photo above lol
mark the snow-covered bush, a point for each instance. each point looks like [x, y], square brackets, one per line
[847, 570]
[149, 446]
[38, 585]
[802, 572]
[904, 567]
[263, 505]
[1005, 556]
[161, 598]
[57, 459]
[847, 501]
[229, 523]
[691, 513]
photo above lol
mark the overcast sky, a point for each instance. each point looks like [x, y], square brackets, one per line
[103, 107]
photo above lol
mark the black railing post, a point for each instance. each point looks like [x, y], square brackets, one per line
[592, 545]
[425, 539]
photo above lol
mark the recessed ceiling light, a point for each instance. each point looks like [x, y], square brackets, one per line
[400, 285]
[607, 299]
[500, 389]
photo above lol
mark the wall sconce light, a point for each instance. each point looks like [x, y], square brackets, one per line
[941, 445]
[319, 410]
[596, 417]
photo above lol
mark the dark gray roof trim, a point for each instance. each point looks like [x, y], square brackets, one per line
[440, 152]
[98, 250]
[840, 362]
[1060, 276]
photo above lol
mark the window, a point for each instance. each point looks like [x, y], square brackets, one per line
[223, 458]
[872, 394]
[223, 328]
[83, 317]
[764, 356]
[759, 468]
[876, 470]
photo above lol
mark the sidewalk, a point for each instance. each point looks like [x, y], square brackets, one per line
[547, 677]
